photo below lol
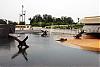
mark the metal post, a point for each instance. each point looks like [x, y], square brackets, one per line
[24, 15]
[22, 12]
[78, 20]
[19, 18]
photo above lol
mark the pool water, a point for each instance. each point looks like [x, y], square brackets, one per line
[44, 52]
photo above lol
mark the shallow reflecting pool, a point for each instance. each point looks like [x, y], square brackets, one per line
[44, 52]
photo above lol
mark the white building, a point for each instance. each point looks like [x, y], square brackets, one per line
[92, 24]
[23, 27]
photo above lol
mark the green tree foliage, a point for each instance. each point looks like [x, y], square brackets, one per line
[69, 20]
[47, 20]
[3, 21]
[13, 23]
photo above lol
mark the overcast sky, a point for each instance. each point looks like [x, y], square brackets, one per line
[10, 9]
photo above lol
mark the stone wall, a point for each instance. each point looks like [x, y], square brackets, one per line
[4, 30]
[92, 28]
[12, 28]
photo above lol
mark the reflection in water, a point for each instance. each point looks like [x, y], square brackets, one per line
[52, 54]
[22, 43]
[5, 43]
[21, 51]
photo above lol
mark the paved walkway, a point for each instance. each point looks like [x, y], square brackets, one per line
[67, 31]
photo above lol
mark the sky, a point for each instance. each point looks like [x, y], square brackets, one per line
[11, 9]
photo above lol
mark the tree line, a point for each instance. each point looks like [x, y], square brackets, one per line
[4, 21]
[47, 20]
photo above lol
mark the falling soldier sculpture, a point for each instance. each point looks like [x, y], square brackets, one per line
[22, 50]
[79, 35]
[44, 33]
[21, 43]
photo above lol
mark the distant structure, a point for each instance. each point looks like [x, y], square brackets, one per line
[23, 27]
[22, 15]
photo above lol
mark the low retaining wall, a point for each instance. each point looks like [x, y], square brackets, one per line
[4, 30]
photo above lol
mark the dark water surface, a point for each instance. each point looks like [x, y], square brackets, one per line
[44, 52]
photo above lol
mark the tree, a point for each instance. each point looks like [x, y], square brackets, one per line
[15, 23]
[64, 19]
[47, 18]
[37, 18]
[58, 20]
[3, 21]
[10, 22]
[69, 20]
[35, 21]
[50, 19]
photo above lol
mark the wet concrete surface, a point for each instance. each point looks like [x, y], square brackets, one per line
[45, 52]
